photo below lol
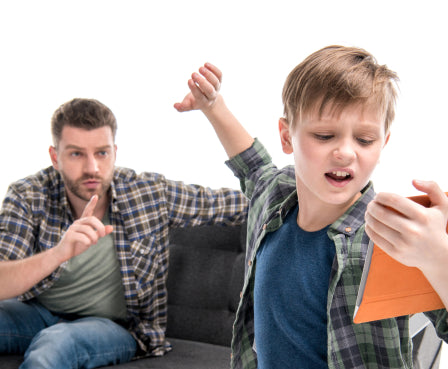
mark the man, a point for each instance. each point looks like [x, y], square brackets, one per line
[84, 245]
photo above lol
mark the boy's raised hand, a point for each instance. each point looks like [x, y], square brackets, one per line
[413, 234]
[83, 233]
[204, 87]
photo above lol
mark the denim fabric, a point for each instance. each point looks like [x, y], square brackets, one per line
[49, 342]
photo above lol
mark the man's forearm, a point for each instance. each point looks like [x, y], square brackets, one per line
[18, 276]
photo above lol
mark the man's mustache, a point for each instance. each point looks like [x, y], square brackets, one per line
[90, 178]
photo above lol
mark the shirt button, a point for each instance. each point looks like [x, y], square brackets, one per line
[265, 226]
[348, 229]
[249, 263]
[241, 294]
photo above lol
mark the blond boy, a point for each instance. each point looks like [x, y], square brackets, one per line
[307, 235]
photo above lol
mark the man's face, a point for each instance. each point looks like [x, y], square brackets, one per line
[335, 154]
[85, 159]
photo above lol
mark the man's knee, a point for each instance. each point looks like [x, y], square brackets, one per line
[80, 344]
[52, 347]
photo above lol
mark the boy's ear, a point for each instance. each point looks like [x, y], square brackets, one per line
[285, 136]
[386, 140]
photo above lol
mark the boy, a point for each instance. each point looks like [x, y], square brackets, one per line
[307, 237]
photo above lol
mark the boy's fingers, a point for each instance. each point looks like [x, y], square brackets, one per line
[435, 193]
[211, 77]
[195, 87]
[205, 87]
[215, 70]
[90, 207]
[184, 105]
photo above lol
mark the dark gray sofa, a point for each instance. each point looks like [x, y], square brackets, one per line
[205, 277]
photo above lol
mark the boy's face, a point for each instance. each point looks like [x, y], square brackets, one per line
[335, 154]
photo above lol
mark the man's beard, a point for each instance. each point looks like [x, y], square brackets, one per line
[75, 186]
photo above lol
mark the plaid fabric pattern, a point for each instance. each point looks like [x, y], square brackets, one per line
[380, 344]
[35, 214]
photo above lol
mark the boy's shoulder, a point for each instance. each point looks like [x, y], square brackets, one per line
[274, 196]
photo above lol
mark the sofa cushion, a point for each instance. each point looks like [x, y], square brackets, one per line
[205, 277]
[185, 355]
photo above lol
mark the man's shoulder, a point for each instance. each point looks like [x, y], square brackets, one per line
[127, 183]
[44, 181]
[129, 177]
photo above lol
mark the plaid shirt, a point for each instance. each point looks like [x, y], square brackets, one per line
[35, 215]
[380, 344]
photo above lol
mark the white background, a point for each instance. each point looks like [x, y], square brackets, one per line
[136, 57]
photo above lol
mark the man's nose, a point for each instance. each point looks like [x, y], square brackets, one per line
[91, 165]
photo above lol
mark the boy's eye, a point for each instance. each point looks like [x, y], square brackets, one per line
[365, 141]
[323, 137]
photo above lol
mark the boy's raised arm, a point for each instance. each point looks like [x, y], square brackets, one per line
[204, 95]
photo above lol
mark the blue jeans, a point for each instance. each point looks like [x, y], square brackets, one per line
[49, 342]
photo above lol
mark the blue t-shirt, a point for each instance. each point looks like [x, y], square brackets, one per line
[290, 297]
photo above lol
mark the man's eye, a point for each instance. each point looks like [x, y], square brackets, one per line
[75, 154]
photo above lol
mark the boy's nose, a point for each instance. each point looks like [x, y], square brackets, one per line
[344, 152]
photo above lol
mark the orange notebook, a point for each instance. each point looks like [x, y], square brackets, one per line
[389, 289]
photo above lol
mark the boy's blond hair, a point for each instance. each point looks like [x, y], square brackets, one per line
[337, 77]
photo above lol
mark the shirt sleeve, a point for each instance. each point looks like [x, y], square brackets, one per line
[194, 205]
[251, 167]
[16, 227]
[440, 320]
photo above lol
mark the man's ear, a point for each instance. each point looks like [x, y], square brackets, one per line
[285, 135]
[53, 157]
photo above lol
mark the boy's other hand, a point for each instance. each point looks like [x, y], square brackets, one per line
[409, 232]
[204, 89]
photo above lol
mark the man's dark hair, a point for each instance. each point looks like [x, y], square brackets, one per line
[87, 114]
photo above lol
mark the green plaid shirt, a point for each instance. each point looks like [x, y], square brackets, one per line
[35, 214]
[379, 344]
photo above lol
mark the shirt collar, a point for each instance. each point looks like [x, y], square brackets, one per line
[350, 221]
[113, 196]
[353, 218]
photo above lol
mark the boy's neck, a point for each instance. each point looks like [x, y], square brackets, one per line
[314, 216]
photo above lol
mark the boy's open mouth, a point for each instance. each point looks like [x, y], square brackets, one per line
[338, 175]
